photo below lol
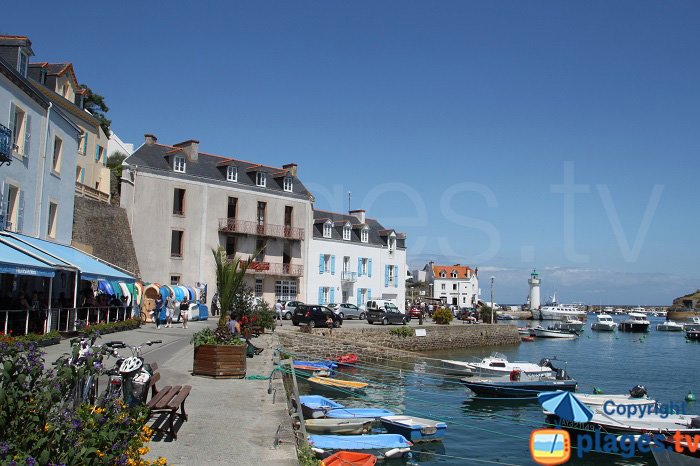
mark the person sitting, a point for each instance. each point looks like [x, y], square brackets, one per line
[235, 329]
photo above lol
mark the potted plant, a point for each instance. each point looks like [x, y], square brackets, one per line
[218, 353]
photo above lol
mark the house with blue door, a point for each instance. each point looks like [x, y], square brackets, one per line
[353, 259]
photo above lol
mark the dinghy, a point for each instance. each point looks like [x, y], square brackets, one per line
[350, 458]
[388, 445]
[347, 359]
[349, 413]
[339, 426]
[337, 384]
[415, 429]
[315, 406]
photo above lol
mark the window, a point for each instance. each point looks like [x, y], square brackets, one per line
[79, 174]
[327, 263]
[346, 232]
[286, 290]
[22, 63]
[179, 164]
[454, 286]
[288, 184]
[20, 131]
[178, 201]
[231, 173]
[259, 287]
[174, 279]
[346, 264]
[232, 207]
[65, 89]
[364, 237]
[57, 149]
[364, 266]
[454, 274]
[288, 210]
[442, 287]
[345, 296]
[260, 250]
[325, 295]
[230, 246]
[53, 211]
[176, 243]
[100, 155]
[392, 274]
[327, 229]
[392, 244]
[443, 274]
[82, 148]
[260, 179]
[12, 218]
[362, 296]
[262, 206]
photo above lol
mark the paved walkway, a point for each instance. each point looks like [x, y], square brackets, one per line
[230, 421]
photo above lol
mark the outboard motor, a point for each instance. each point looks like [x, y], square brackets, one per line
[638, 391]
[562, 374]
[544, 362]
[695, 423]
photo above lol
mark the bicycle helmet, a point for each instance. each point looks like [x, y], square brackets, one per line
[131, 364]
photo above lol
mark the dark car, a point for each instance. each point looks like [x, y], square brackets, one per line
[315, 316]
[390, 314]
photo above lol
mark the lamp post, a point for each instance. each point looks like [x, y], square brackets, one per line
[493, 306]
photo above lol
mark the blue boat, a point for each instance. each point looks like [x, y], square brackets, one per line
[327, 365]
[316, 406]
[390, 445]
[415, 429]
[349, 413]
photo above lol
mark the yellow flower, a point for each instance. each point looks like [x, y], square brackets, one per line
[100, 454]
[46, 427]
[143, 450]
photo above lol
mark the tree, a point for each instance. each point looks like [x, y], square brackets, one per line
[95, 104]
[114, 163]
[230, 277]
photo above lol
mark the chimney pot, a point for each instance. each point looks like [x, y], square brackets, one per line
[150, 139]
[291, 167]
[358, 214]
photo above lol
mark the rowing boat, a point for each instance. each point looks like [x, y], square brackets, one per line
[350, 458]
[337, 384]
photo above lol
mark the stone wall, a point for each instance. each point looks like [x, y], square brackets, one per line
[379, 342]
[103, 230]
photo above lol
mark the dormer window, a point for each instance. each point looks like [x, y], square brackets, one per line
[364, 235]
[231, 174]
[391, 243]
[22, 63]
[288, 183]
[179, 164]
[454, 274]
[327, 229]
[443, 274]
[260, 179]
[346, 232]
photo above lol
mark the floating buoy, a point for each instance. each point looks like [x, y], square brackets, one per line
[597, 391]
[690, 396]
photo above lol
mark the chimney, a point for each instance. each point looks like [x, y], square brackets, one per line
[191, 149]
[292, 167]
[358, 214]
[150, 139]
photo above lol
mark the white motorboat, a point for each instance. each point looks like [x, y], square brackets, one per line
[557, 311]
[598, 400]
[635, 425]
[635, 322]
[692, 324]
[669, 326]
[638, 310]
[605, 323]
[541, 332]
[569, 323]
[496, 365]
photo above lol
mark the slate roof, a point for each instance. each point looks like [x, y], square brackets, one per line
[377, 232]
[157, 158]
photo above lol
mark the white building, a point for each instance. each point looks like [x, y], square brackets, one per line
[456, 285]
[115, 144]
[353, 259]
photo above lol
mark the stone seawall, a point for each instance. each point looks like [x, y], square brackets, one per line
[379, 342]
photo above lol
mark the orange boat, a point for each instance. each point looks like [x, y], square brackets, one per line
[350, 458]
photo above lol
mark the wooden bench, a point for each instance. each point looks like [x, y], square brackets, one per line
[167, 400]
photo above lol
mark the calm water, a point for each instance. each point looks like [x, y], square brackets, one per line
[499, 431]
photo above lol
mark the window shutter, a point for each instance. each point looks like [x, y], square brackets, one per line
[13, 115]
[359, 298]
[332, 294]
[369, 268]
[396, 276]
[20, 213]
[386, 275]
[27, 132]
[332, 266]
[320, 295]
[369, 294]
[320, 264]
[97, 153]
[359, 266]
[104, 157]
[82, 175]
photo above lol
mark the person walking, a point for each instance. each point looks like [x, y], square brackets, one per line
[279, 310]
[169, 310]
[159, 313]
[215, 306]
[185, 313]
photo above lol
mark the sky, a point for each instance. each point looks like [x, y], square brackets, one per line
[508, 136]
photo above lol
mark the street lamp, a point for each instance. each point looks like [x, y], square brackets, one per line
[493, 306]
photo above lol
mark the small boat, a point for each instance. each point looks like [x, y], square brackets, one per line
[495, 365]
[693, 335]
[524, 331]
[352, 413]
[635, 322]
[315, 406]
[604, 323]
[315, 365]
[669, 456]
[542, 332]
[621, 424]
[520, 385]
[504, 317]
[390, 445]
[336, 384]
[557, 311]
[339, 426]
[350, 458]
[568, 323]
[527, 338]
[415, 429]
[669, 326]
[347, 359]
[692, 324]
[598, 400]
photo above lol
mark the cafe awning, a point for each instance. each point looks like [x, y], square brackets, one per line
[16, 262]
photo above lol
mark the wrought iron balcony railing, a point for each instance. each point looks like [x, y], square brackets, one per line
[232, 225]
[267, 268]
[348, 277]
[5, 145]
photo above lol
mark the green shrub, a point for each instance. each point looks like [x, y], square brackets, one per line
[402, 332]
[208, 336]
[443, 316]
[306, 455]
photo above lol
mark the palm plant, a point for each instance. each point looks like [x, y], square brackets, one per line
[230, 278]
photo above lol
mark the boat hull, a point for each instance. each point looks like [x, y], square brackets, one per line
[390, 445]
[415, 429]
[315, 406]
[350, 458]
[339, 426]
[600, 327]
[612, 427]
[693, 335]
[546, 333]
[665, 457]
[336, 384]
[633, 327]
[518, 389]
[669, 328]
[350, 413]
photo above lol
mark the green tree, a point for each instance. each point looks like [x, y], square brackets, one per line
[485, 315]
[114, 163]
[95, 104]
[230, 277]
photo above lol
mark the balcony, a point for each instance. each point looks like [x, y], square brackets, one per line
[91, 193]
[5, 145]
[232, 225]
[267, 268]
[348, 277]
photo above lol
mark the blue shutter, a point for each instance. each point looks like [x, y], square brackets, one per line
[320, 295]
[332, 294]
[97, 153]
[359, 266]
[396, 276]
[27, 133]
[332, 267]
[20, 213]
[320, 264]
[359, 298]
[369, 294]
[386, 275]
[82, 175]
[369, 268]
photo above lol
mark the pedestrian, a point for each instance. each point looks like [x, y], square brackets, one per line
[169, 310]
[329, 324]
[159, 313]
[279, 308]
[185, 312]
[215, 305]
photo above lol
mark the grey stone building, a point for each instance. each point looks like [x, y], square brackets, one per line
[182, 203]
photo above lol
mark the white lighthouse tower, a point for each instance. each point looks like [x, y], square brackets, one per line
[534, 282]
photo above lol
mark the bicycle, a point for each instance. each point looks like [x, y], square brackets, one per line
[131, 375]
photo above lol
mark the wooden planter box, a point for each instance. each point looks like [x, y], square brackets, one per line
[220, 361]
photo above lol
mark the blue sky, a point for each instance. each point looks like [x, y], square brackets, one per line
[452, 121]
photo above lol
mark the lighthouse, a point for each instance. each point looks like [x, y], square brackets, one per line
[534, 282]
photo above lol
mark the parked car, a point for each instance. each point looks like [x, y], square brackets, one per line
[289, 307]
[388, 313]
[314, 315]
[414, 313]
[350, 311]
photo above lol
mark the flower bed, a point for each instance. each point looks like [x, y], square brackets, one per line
[47, 339]
[112, 327]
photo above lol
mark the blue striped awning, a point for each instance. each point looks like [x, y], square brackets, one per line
[15, 262]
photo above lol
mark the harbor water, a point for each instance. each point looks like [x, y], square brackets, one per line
[495, 431]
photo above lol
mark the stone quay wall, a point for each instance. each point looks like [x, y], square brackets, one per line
[379, 342]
